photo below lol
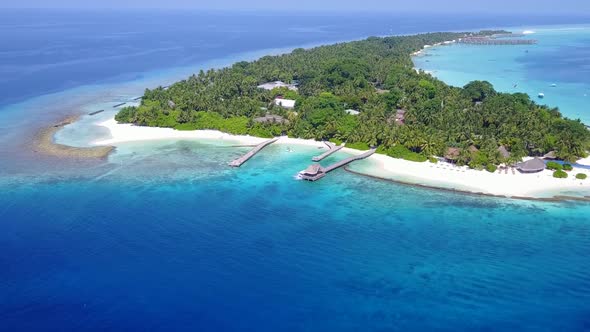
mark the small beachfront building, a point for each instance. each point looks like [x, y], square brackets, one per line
[277, 84]
[534, 165]
[285, 103]
[452, 154]
[551, 155]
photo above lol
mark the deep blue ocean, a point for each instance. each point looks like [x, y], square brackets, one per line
[165, 237]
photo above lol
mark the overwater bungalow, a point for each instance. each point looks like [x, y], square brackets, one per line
[534, 165]
[312, 170]
[313, 173]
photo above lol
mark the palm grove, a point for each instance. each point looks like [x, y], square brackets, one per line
[376, 77]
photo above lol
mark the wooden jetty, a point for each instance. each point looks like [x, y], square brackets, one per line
[492, 41]
[316, 171]
[95, 112]
[137, 98]
[118, 105]
[331, 150]
[508, 35]
[240, 161]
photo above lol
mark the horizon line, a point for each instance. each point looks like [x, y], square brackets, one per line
[307, 11]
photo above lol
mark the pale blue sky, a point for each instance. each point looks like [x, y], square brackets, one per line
[507, 6]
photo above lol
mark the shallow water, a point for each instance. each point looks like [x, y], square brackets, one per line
[202, 246]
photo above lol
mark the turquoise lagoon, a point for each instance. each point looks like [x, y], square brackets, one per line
[560, 58]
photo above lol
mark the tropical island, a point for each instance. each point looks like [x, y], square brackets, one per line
[368, 94]
[365, 93]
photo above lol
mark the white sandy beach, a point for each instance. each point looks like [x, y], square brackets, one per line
[442, 175]
[445, 175]
[124, 133]
[585, 161]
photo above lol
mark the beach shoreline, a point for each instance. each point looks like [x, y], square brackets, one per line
[556, 198]
[442, 175]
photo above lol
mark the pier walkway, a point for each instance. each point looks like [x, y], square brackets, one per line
[95, 112]
[316, 172]
[331, 150]
[240, 161]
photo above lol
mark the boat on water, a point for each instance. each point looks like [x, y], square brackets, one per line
[541, 95]
[553, 85]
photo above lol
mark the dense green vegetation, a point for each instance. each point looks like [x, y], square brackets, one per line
[554, 166]
[581, 176]
[491, 168]
[567, 167]
[376, 77]
[402, 152]
[560, 174]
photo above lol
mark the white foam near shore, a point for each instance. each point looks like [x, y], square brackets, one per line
[442, 175]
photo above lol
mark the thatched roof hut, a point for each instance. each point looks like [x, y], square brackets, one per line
[452, 154]
[551, 155]
[504, 152]
[534, 165]
[313, 169]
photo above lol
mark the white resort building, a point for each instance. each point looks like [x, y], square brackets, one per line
[285, 103]
[277, 84]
